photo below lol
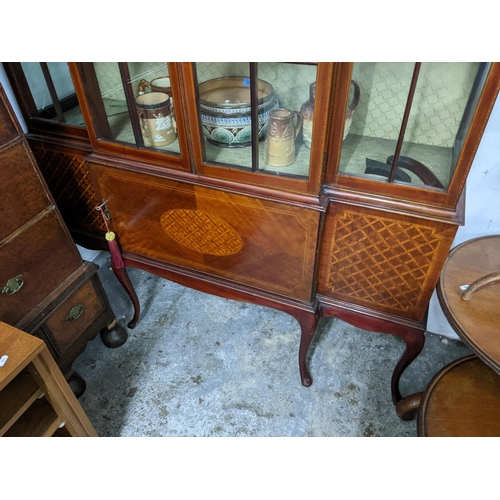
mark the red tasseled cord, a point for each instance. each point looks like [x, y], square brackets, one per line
[116, 256]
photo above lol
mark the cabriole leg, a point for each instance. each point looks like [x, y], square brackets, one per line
[308, 323]
[122, 276]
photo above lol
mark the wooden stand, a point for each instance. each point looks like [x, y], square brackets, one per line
[463, 399]
[35, 399]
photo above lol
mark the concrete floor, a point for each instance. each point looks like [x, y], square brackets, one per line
[200, 365]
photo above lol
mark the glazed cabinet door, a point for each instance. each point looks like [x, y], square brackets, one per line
[134, 110]
[46, 95]
[409, 130]
[253, 122]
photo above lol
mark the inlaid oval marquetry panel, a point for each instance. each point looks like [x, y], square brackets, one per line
[202, 232]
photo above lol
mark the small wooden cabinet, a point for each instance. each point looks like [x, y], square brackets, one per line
[357, 226]
[35, 400]
[45, 287]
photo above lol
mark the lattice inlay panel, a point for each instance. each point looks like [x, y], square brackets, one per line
[69, 182]
[201, 232]
[380, 262]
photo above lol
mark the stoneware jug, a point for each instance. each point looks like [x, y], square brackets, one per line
[155, 115]
[281, 135]
[307, 112]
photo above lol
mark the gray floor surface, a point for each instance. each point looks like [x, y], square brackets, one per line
[200, 365]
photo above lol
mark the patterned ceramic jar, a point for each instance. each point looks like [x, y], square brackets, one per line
[226, 111]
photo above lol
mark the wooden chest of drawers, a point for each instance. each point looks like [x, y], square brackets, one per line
[46, 288]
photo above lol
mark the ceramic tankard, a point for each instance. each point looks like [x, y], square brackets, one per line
[159, 84]
[155, 115]
[281, 135]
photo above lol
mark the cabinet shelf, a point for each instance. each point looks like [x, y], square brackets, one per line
[35, 399]
[242, 158]
[16, 398]
[356, 149]
[39, 420]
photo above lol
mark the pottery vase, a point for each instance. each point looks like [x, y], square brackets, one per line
[307, 112]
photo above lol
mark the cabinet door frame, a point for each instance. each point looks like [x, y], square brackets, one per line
[36, 124]
[416, 193]
[86, 89]
[317, 163]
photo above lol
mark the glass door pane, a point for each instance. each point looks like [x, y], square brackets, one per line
[278, 141]
[53, 92]
[374, 114]
[225, 108]
[136, 105]
[289, 136]
[443, 105]
[418, 113]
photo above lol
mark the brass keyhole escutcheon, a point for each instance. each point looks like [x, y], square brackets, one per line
[75, 313]
[13, 285]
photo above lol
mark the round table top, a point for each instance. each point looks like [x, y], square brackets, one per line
[462, 400]
[476, 321]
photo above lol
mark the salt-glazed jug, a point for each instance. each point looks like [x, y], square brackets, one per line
[281, 135]
[307, 112]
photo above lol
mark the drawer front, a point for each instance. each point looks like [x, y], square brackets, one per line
[41, 258]
[260, 243]
[383, 261]
[23, 195]
[74, 316]
[8, 130]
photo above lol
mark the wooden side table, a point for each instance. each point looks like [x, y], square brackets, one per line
[35, 399]
[463, 399]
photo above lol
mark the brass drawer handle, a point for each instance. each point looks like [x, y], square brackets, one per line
[13, 285]
[75, 313]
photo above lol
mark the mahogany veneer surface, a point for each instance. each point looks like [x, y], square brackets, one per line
[21, 199]
[385, 261]
[463, 400]
[264, 244]
[476, 321]
[44, 256]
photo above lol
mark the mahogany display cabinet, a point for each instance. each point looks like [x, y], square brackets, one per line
[319, 189]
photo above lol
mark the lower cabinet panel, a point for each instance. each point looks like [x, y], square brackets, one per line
[385, 261]
[260, 243]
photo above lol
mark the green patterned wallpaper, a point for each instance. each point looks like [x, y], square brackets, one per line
[439, 102]
[108, 76]
[290, 81]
